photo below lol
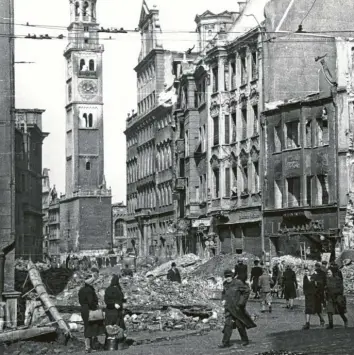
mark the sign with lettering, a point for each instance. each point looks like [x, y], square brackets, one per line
[313, 226]
[326, 257]
[249, 215]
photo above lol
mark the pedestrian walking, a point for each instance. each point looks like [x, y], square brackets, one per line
[336, 301]
[234, 298]
[256, 272]
[265, 286]
[313, 305]
[321, 279]
[290, 286]
[281, 278]
[173, 274]
[89, 302]
[241, 270]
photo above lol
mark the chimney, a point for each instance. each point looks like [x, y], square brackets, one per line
[241, 5]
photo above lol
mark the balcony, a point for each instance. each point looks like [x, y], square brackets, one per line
[180, 146]
[88, 193]
[88, 74]
[180, 183]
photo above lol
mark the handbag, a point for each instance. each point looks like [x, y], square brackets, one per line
[96, 315]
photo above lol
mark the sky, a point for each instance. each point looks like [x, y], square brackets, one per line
[41, 84]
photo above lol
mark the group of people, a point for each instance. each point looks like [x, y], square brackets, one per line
[322, 288]
[114, 299]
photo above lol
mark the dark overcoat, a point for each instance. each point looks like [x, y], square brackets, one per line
[256, 273]
[235, 294]
[89, 302]
[289, 284]
[113, 316]
[241, 271]
[174, 275]
[336, 301]
[313, 304]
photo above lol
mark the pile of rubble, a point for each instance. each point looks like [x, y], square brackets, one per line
[21, 264]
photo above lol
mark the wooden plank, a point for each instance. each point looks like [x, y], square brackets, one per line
[22, 334]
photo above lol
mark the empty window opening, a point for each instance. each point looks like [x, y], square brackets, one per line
[85, 119]
[91, 65]
[90, 120]
[82, 64]
[88, 165]
[77, 9]
[293, 191]
[86, 6]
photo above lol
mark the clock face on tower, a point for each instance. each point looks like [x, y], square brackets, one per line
[87, 89]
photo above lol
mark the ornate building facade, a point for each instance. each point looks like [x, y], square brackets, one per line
[120, 238]
[85, 209]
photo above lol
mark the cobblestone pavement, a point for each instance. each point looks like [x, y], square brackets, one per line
[279, 330]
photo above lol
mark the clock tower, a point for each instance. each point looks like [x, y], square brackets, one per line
[85, 215]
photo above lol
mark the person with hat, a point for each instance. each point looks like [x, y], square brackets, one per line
[173, 274]
[320, 277]
[234, 298]
[89, 302]
[312, 291]
[290, 286]
[241, 270]
[256, 273]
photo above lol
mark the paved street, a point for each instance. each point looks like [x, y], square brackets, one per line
[280, 330]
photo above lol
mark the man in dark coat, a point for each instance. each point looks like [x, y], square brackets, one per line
[234, 296]
[173, 274]
[241, 270]
[89, 302]
[256, 273]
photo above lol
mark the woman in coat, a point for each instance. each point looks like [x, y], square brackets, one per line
[336, 301]
[256, 273]
[290, 286]
[114, 299]
[89, 302]
[313, 304]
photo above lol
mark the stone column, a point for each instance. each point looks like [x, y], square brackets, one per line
[11, 297]
[145, 240]
[221, 74]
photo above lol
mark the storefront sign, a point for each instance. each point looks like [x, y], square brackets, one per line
[249, 215]
[313, 226]
[201, 222]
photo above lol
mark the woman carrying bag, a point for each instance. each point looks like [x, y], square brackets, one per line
[114, 299]
[89, 302]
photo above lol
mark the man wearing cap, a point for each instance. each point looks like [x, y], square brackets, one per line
[234, 298]
[241, 270]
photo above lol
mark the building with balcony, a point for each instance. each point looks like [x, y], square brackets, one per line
[150, 146]
[28, 168]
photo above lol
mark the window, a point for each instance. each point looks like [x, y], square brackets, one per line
[233, 75]
[256, 176]
[254, 66]
[243, 71]
[278, 194]
[216, 183]
[216, 130]
[197, 194]
[293, 191]
[322, 131]
[245, 178]
[77, 9]
[322, 190]
[82, 64]
[234, 181]
[88, 165]
[201, 190]
[309, 180]
[90, 120]
[119, 229]
[186, 144]
[227, 183]
[226, 78]
[227, 129]
[215, 79]
[84, 116]
[91, 65]
[86, 5]
[277, 138]
[244, 123]
[308, 133]
[255, 119]
[233, 119]
[292, 134]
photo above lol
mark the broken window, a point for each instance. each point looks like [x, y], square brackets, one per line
[254, 66]
[255, 119]
[216, 130]
[216, 183]
[227, 183]
[293, 191]
[84, 116]
[90, 120]
[243, 70]
[292, 134]
[256, 176]
[234, 181]
[308, 133]
[277, 138]
[233, 75]
[227, 129]
[278, 194]
[309, 180]
[215, 79]
[322, 190]
[322, 131]
[233, 118]
[245, 178]
[244, 123]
